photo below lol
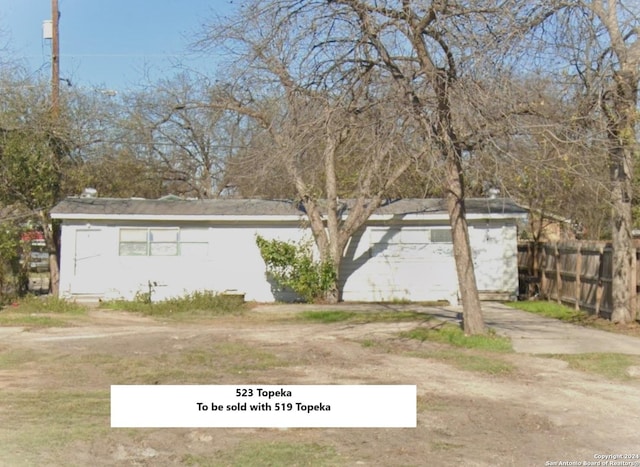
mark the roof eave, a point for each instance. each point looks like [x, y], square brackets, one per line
[271, 218]
[174, 217]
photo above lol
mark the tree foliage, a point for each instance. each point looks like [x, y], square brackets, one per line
[28, 169]
[13, 272]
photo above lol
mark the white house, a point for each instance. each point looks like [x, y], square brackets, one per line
[115, 248]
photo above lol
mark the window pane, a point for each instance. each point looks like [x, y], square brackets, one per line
[133, 249]
[164, 249]
[163, 235]
[133, 235]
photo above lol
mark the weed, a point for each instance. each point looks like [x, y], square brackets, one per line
[32, 321]
[451, 334]
[39, 312]
[551, 310]
[196, 303]
[465, 360]
[327, 316]
[363, 317]
[47, 304]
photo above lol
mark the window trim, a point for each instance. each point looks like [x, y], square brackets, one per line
[149, 242]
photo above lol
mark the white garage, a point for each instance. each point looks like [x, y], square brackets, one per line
[407, 263]
[115, 248]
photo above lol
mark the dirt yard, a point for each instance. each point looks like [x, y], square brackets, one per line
[54, 397]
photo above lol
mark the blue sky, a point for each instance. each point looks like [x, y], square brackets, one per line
[109, 44]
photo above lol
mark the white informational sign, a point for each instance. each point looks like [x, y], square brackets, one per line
[263, 406]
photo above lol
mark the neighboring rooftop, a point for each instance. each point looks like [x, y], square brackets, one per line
[173, 206]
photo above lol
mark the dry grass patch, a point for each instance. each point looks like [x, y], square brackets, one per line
[51, 419]
[33, 312]
[265, 453]
[609, 365]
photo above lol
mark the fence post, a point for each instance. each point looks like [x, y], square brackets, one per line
[558, 275]
[599, 284]
[577, 283]
[544, 292]
[633, 283]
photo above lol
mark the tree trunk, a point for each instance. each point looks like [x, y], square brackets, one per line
[332, 294]
[621, 243]
[623, 141]
[473, 321]
[52, 248]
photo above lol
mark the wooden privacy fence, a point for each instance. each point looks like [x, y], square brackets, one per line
[577, 273]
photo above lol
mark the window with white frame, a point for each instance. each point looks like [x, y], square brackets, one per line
[163, 242]
[134, 242]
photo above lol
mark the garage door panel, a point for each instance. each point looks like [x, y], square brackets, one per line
[415, 271]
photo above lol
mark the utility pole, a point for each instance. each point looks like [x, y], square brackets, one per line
[45, 218]
[55, 60]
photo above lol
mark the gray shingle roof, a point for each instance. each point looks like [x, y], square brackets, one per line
[213, 207]
[257, 207]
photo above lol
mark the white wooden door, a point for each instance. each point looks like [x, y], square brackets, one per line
[87, 262]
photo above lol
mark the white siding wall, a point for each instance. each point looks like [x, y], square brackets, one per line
[382, 263]
[495, 256]
[232, 262]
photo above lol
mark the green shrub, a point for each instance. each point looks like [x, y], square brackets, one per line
[13, 274]
[292, 266]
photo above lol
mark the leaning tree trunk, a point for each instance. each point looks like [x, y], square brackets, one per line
[473, 321]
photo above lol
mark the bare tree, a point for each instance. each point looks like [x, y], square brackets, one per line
[419, 56]
[620, 22]
[431, 50]
[539, 155]
[320, 122]
[189, 144]
[595, 45]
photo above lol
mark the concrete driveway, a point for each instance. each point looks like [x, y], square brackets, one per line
[529, 333]
[535, 334]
